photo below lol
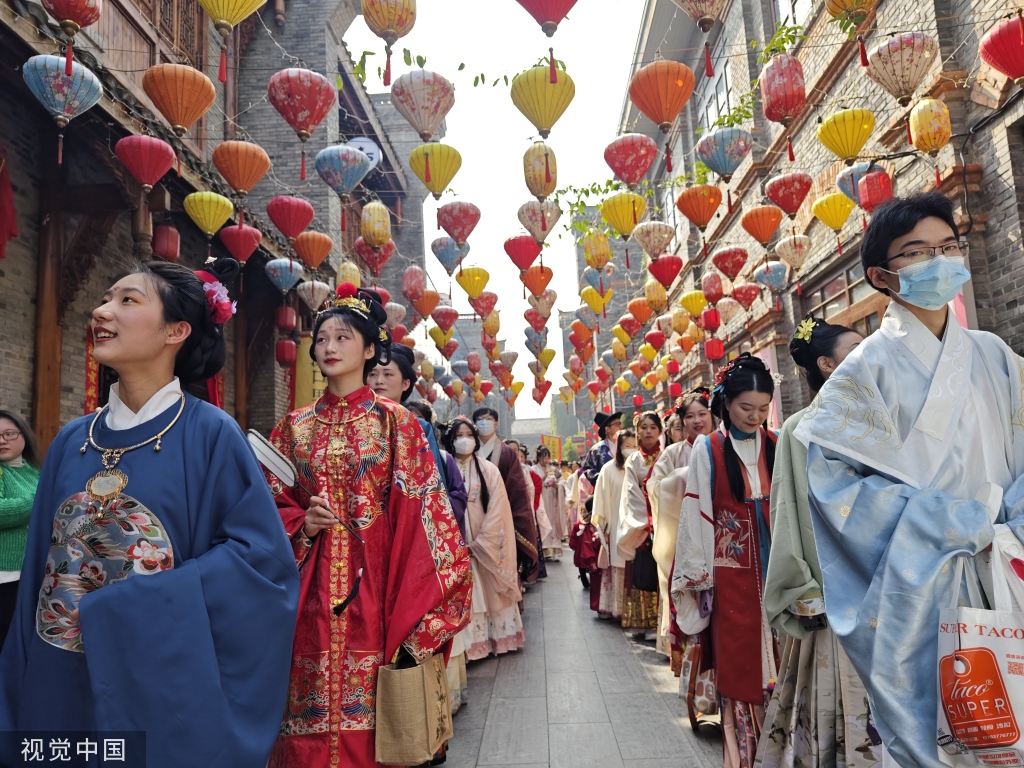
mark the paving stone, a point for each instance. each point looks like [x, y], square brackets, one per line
[575, 697]
[516, 732]
[520, 676]
[583, 745]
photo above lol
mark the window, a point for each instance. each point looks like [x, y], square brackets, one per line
[180, 23]
[792, 11]
[848, 299]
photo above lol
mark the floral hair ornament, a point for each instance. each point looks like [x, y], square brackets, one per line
[805, 330]
[221, 307]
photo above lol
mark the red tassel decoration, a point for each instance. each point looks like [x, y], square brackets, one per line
[554, 71]
[344, 210]
[547, 169]
[1020, 23]
[728, 197]
[799, 289]
[709, 70]
[68, 58]
[627, 258]
[938, 178]
[387, 69]
[863, 51]
[302, 168]
[222, 73]
[543, 221]
[789, 149]
[60, 148]
[910, 139]
[604, 311]
[705, 249]
[426, 166]
[839, 245]
[634, 212]
[863, 224]
[668, 158]
[600, 286]
[778, 304]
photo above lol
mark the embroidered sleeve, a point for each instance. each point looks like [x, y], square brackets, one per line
[694, 559]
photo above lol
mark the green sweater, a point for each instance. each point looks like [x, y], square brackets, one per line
[17, 493]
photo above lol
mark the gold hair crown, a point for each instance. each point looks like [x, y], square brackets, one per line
[347, 296]
[805, 329]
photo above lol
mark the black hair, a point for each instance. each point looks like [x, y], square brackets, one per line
[670, 422]
[30, 454]
[638, 419]
[479, 412]
[620, 438]
[823, 341]
[895, 218]
[744, 374]
[422, 407]
[543, 450]
[448, 441]
[371, 327]
[403, 357]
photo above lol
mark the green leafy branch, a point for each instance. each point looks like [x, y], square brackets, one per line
[359, 69]
[743, 111]
[847, 25]
[784, 39]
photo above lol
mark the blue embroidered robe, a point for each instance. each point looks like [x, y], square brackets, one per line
[190, 641]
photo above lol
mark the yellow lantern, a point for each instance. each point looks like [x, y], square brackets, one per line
[695, 333]
[427, 370]
[540, 100]
[693, 302]
[566, 394]
[662, 372]
[540, 170]
[439, 337]
[622, 384]
[517, 387]
[478, 396]
[623, 211]
[592, 299]
[854, 11]
[376, 225]
[619, 333]
[648, 351]
[597, 250]
[930, 128]
[435, 164]
[457, 387]
[209, 211]
[618, 349]
[680, 320]
[656, 296]
[473, 281]
[495, 352]
[546, 356]
[592, 396]
[389, 20]
[492, 324]
[348, 272]
[833, 210]
[846, 132]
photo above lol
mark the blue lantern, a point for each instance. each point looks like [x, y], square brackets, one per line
[536, 341]
[284, 273]
[774, 275]
[847, 180]
[460, 368]
[342, 167]
[723, 149]
[65, 97]
[449, 254]
[586, 316]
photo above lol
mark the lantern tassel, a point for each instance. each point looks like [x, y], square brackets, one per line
[60, 148]
[789, 149]
[554, 71]
[839, 245]
[709, 70]
[547, 169]
[302, 168]
[668, 158]
[601, 286]
[627, 258]
[543, 221]
[438, 219]
[387, 67]
[799, 289]
[778, 304]
[863, 224]
[222, 73]
[69, 57]
[1020, 23]
[343, 218]
[938, 178]
[910, 138]
[728, 197]
[426, 166]
[705, 249]
[863, 51]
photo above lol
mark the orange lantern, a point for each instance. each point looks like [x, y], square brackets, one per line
[181, 93]
[640, 309]
[241, 163]
[426, 303]
[313, 248]
[762, 222]
[536, 278]
[699, 204]
[660, 90]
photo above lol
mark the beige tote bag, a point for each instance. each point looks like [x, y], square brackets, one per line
[414, 712]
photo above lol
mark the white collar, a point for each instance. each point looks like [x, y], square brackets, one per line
[14, 463]
[120, 416]
[487, 448]
[904, 326]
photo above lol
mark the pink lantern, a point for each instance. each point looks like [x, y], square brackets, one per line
[874, 188]
[783, 92]
[711, 285]
[631, 156]
[789, 191]
[458, 219]
[414, 283]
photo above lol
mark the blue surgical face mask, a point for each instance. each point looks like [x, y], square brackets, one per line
[934, 283]
[485, 427]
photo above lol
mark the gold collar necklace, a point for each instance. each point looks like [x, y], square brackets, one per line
[108, 483]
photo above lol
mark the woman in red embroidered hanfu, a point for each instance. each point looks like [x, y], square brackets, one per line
[722, 552]
[383, 568]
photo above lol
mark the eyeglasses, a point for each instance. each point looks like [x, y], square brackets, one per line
[11, 436]
[922, 253]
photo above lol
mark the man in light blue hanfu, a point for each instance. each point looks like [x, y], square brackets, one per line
[915, 449]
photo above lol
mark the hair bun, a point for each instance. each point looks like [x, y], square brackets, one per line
[224, 269]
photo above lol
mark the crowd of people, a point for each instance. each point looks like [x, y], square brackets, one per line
[245, 609]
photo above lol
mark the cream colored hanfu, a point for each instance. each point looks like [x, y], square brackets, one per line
[605, 517]
[903, 439]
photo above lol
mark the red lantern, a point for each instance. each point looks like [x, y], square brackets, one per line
[166, 242]
[638, 400]
[240, 240]
[291, 215]
[631, 157]
[486, 386]
[537, 321]
[398, 333]
[710, 320]
[711, 286]
[655, 338]
[675, 389]
[548, 13]
[375, 260]
[673, 368]
[384, 293]
[665, 269]
[746, 294]
[789, 191]
[458, 219]
[602, 375]
[1002, 48]
[730, 261]
[284, 353]
[783, 93]
[714, 349]
[874, 188]
[607, 409]
[594, 386]
[146, 158]
[484, 304]
[286, 319]
[303, 98]
[445, 317]
[630, 325]
[72, 15]
[523, 250]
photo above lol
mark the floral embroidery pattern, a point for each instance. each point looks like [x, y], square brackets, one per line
[88, 551]
[308, 698]
[732, 541]
[359, 694]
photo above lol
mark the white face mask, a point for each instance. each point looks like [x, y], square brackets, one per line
[485, 427]
[627, 452]
[464, 445]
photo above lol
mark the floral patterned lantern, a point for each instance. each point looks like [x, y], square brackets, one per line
[654, 237]
[730, 261]
[423, 98]
[458, 219]
[789, 191]
[783, 92]
[657, 298]
[342, 168]
[848, 178]
[389, 20]
[630, 157]
[64, 97]
[711, 287]
[303, 98]
[874, 188]
[930, 127]
[854, 11]
[793, 250]
[539, 218]
[728, 308]
[900, 63]
[448, 253]
[540, 170]
[723, 149]
[773, 275]
[704, 13]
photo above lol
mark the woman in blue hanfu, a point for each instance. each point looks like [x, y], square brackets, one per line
[915, 449]
[159, 590]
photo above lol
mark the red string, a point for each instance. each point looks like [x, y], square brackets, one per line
[426, 166]
[938, 178]
[69, 57]
[709, 70]
[387, 69]
[839, 245]
[705, 249]
[343, 218]
[627, 258]
[60, 148]
[302, 169]
[222, 73]
[789, 149]
[728, 197]
[863, 51]
[543, 223]
[554, 71]
[910, 138]
[668, 158]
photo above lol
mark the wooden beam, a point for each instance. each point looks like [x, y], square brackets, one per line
[46, 383]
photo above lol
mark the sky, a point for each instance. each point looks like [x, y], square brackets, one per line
[596, 43]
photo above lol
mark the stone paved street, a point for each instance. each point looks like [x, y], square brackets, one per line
[582, 694]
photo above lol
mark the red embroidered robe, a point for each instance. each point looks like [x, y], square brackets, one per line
[371, 460]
